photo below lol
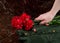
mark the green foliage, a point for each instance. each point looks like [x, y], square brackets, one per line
[55, 21]
[43, 34]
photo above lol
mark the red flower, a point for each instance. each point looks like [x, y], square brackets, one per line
[25, 16]
[17, 22]
[23, 20]
[28, 25]
[27, 22]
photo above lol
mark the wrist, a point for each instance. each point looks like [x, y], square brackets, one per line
[53, 12]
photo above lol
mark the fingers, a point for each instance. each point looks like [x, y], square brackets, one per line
[44, 22]
[39, 18]
[47, 24]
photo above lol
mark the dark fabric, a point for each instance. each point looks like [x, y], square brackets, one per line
[58, 13]
[32, 7]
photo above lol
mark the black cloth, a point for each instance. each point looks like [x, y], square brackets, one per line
[58, 13]
[32, 7]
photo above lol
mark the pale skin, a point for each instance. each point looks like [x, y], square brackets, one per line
[47, 17]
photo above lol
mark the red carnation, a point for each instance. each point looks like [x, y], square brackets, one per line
[16, 22]
[25, 16]
[23, 20]
[28, 25]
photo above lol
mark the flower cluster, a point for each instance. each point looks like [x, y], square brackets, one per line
[22, 21]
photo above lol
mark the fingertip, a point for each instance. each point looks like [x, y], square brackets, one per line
[36, 19]
[41, 22]
[47, 24]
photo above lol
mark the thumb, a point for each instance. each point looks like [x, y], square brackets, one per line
[43, 22]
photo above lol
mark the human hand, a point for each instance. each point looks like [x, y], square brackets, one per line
[45, 18]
